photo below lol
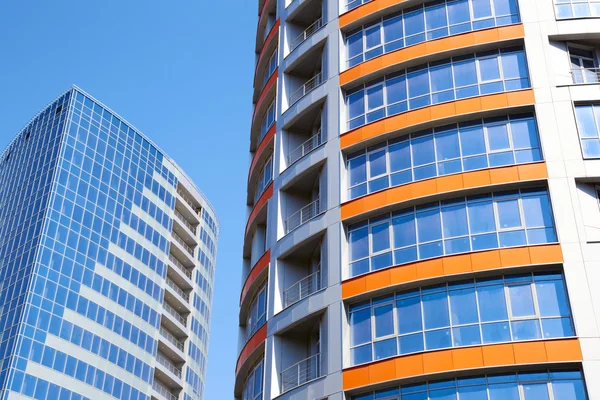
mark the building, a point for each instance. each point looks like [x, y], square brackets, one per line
[107, 262]
[423, 201]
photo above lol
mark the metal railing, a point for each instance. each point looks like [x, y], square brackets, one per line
[183, 244]
[303, 288]
[175, 314]
[168, 365]
[315, 141]
[300, 373]
[163, 391]
[186, 199]
[308, 32]
[180, 266]
[172, 339]
[585, 75]
[177, 290]
[308, 87]
[302, 216]
[185, 222]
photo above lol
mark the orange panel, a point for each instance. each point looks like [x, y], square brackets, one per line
[256, 270]
[530, 172]
[546, 254]
[504, 175]
[449, 183]
[429, 48]
[262, 201]
[419, 116]
[255, 341]
[467, 358]
[514, 257]
[477, 179]
[563, 350]
[498, 354]
[450, 265]
[437, 361]
[450, 360]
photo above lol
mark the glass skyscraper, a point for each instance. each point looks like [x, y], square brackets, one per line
[107, 262]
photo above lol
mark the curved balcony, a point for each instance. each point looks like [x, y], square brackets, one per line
[182, 250]
[426, 190]
[169, 369]
[302, 372]
[267, 7]
[554, 351]
[253, 281]
[427, 51]
[437, 114]
[263, 106]
[262, 153]
[249, 353]
[258, 207]
[270, 44]
[173, 321]
[443, 267]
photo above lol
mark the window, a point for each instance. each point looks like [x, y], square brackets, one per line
[429, 21]
[355, 3]
[583, 65]
[475, 223]
[466, 313]
[468, 146]
[588, 125]
[577, 8]
[268, 121]
[457, 78]
[258, 312]
[530, 385]
[271, 67]
[253, 387]
[264, 179]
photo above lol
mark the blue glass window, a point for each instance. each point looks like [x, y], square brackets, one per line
[429, 21]
[588, 125]
[504, 219]
[473, 312]
[467, 146]
[577, 8]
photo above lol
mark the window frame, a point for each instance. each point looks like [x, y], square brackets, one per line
[594, 105]
[251, 325]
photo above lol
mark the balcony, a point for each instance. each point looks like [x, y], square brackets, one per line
[174, 321]
[164, 393]
[187, 207]
[309, 145]
[172, 339]
[182, 251]
[302, 216]
[303, 288]
[170, 346]
[168, 365]
[308, 32]
[583, 76]
[306, 88]
[300, 373]
[176, 297]
[301, 359]
[183, 295]
[303, 22]
[179, 273]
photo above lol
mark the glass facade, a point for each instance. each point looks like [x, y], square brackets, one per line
[466, 313]
[468, 146]
[258, 312]
[535, 385]
[88, 285]
[461, 77]
[429, 21]
[577, 8]
[588, 125]
[253, 388]
[465, 224]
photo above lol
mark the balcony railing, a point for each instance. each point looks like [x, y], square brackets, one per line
[180, 266]
[315, 141]
[163, 391]
[175, 314]
[308, 32]
[168, 365]
[302, 216]
[182, 219]
[183, 244]
[172, 339]
[177, 290]
[585, 75]
[303, 288]
[186, 199]
[305, 89]
[300, 373]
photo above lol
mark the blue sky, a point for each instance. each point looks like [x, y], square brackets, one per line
[181, 72]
